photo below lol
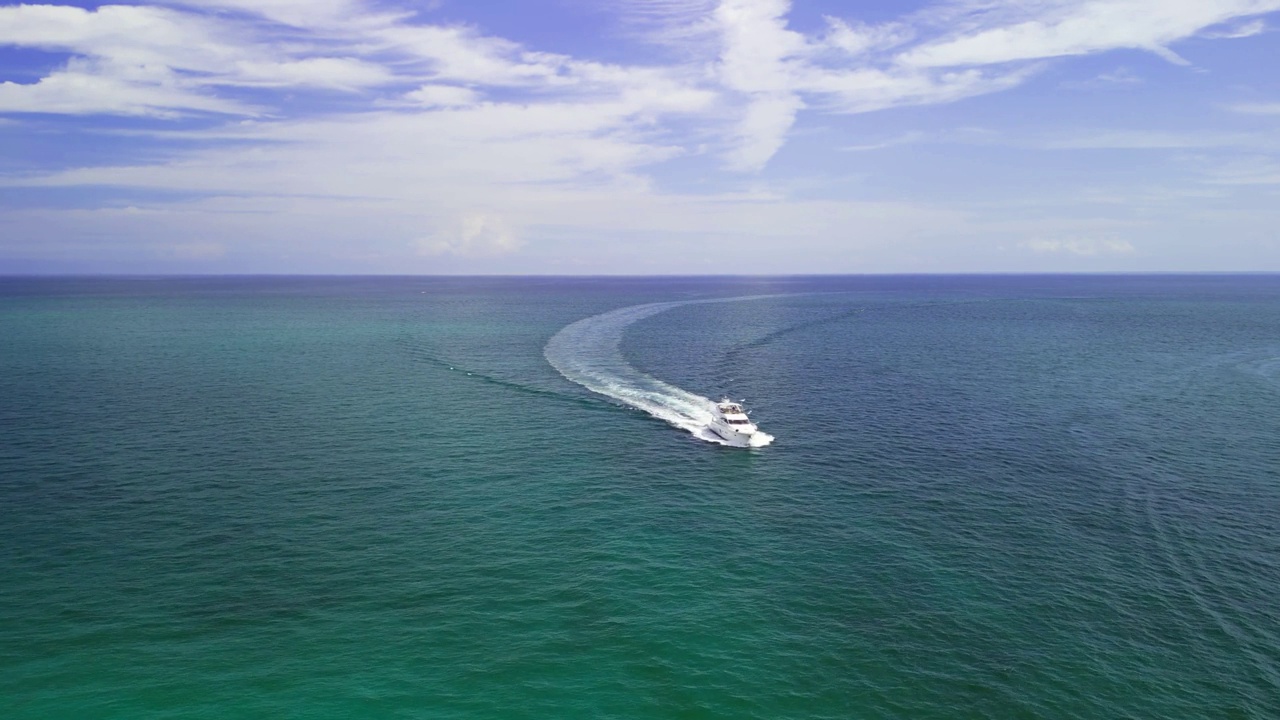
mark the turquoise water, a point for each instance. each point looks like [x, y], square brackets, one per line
[1050, 497]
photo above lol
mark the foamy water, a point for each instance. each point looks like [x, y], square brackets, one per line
[587, 352]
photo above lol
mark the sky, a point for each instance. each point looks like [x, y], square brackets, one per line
[640, 136]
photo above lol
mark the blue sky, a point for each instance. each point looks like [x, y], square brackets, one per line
[640, 136]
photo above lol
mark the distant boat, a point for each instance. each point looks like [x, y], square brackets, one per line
[730, 421]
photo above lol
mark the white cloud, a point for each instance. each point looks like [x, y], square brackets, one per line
[1081, 246]
[319, 72]
[1001, 31]
[763, 130]
[166, 61]
[758, 58]
[1121, 77]
[1256, 170]
[138, 31]
[1153, 140]
[426, 159]
[759, 51]
[870, 89]
[142, 60]
[909, 138]
[80, 89]
[682, 24]
[136, 41]
[1238, 30]
[437, 118]
[1264, 108]
[298, 13]
[459, 54]
[475, 234]
[858, 39]
[443, 96]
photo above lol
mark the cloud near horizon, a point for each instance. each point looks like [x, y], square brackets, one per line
[1084, 247]
[473, 235]
[279, 122]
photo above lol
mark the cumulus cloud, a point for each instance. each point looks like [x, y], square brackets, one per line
[475, 234]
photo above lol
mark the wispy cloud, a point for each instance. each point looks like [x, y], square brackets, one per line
[146, 60]
[1121, 77]
[1237, 30]
[1260, 108]
[1000, 31]
[669, 22]
[1081, 246]
[83, 88]
[312, 14]
[904, 139]
[184, 56]
[1154, 140]
[317, 115]
[1254, 170]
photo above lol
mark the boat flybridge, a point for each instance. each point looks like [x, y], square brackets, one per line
[730, 421]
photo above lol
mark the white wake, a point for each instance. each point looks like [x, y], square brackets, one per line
[587, 352]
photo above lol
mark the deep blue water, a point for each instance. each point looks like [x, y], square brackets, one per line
[1038, 496]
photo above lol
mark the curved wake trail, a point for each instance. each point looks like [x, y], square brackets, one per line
[587, 352]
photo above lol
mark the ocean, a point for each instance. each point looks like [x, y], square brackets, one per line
[309, 497]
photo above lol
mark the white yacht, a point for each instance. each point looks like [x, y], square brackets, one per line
[730, 421]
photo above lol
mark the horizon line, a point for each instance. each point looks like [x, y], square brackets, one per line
[1098, 273]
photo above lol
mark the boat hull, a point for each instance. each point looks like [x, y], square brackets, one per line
[732, 437]
[730, 423]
